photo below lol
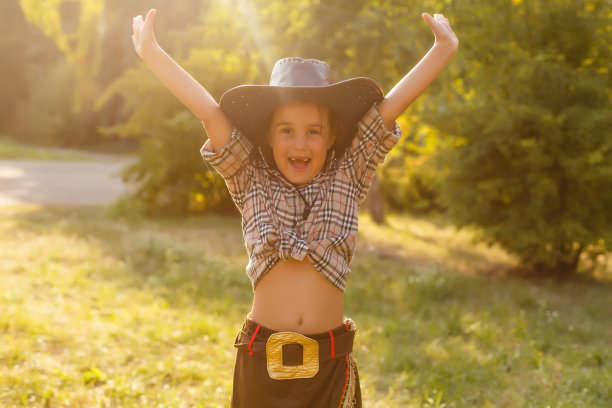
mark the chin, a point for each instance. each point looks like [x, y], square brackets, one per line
[300, 177]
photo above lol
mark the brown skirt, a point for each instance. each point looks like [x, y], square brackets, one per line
[294, 371]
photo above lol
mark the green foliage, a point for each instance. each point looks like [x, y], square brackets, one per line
[410, 180]
[171, 175]
[52, 120]
[13, 83]
[529, 152]
[412, 185]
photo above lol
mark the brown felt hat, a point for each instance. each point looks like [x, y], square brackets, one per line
[306, 80]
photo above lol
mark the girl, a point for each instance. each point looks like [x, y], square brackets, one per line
[298, 156]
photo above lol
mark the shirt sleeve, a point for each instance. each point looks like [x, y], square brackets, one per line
[232, 163]
[368, 149]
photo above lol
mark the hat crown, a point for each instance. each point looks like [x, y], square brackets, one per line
[295, 71]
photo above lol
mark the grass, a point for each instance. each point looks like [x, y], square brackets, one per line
[100, 310]
[11, 149]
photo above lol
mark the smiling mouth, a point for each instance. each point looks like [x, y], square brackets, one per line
[299, 164]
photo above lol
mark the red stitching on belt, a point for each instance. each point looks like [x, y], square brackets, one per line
[253, 338]
[345, 382]
[332, 344]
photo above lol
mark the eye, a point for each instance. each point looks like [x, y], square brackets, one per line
[314, 131]
[285, 131]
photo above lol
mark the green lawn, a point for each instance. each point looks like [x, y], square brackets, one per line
[11, 149]
[102, 311]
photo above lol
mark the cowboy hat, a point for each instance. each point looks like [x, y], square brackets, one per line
[305, 80]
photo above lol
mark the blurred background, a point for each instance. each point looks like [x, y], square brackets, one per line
[483, 267]
[515, 136]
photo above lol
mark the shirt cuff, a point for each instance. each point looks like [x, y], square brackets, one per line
[231, 157]
[375, 128]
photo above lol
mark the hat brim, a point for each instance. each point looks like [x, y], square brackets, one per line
[247, 106]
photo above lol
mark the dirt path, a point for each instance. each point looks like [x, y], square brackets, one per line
[61, 182]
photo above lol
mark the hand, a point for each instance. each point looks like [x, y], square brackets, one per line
[143, 37]
[442, 31]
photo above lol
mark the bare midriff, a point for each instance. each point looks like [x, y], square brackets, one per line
[294, 296]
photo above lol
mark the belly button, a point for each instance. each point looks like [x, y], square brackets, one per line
[300, 321]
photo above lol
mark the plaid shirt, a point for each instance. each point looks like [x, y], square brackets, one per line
[272, 209]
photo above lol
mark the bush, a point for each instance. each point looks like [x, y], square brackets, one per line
[531, 161]
[412, 185]
[171, 175]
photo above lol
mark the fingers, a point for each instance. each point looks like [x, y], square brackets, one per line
[441, 29]
[431, 21]
[437, 18]
[138, 21]
[443, 20]
[150, 18]
[440, 17]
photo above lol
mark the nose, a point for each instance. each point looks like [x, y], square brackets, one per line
[300, 141]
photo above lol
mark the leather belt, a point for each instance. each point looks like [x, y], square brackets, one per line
[293, 355]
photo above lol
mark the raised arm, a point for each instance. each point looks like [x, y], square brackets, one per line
[418, 79]
[179, 82]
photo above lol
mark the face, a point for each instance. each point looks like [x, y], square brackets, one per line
[300, 137]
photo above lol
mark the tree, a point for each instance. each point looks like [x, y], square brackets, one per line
[530, 157]
[171, 176]
[13, 81]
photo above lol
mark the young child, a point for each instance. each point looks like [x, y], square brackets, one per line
[298, 156]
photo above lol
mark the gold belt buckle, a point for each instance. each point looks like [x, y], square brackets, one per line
[274, 354]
